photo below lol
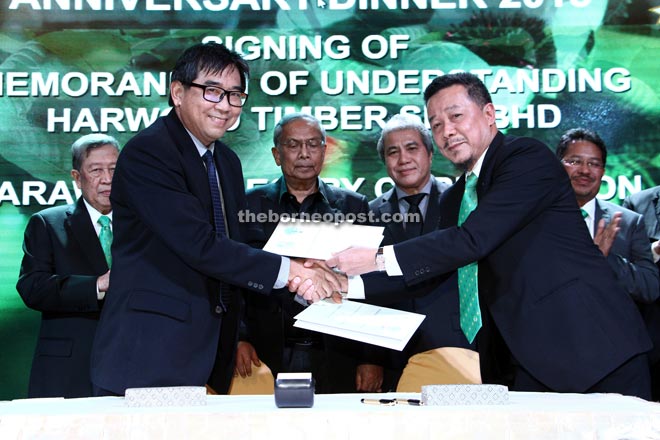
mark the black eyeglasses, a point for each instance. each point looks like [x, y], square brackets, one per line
[215, 94]
[296, 144]
[591, 164]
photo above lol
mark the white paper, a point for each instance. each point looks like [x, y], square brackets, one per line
[376, 325]
[319, 240]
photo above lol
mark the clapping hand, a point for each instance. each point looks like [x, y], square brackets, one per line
[605, 235]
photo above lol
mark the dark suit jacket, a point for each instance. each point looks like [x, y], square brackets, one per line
[62, 260]
[547, 287]
[441, 327]
[162, 323]
[630, 256]
[647, 203]
[267, 318]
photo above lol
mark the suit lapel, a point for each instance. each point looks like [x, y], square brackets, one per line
[451, 204]
[227, 182]
[80, 227]
[332, 204]
[270, 203]
[195, 171]
[487, 167]
[601, 212]
[655, 215]
[272, 194]
[432, 218]
[390, 207]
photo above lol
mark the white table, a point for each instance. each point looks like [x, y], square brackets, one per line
[528, 416]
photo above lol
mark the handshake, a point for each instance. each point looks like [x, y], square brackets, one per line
[315, 280]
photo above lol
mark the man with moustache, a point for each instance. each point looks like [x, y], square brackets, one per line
[66, 270]
[539, 298]
[618, 232]
[337, 364]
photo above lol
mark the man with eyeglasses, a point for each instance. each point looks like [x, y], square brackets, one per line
[172, 312]
[299, 148]
[618, 232]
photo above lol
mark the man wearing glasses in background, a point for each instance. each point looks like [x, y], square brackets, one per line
[618, 232]
[173, 308]
[299, 147]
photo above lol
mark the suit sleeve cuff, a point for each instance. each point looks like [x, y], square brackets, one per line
[283, 275]
[99, 295]
[355, 288]
[391, 264]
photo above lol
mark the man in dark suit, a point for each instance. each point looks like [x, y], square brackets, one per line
[647, 203]
[406, 148]
[178, 265]
[544, 289]
[299, 150]
[618, 232]
[64, 273]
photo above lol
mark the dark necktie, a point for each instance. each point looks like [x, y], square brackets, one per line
[415, 221]
[218, 215]
[468, 285]
[105, 237]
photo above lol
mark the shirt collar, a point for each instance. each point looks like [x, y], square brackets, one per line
[426, 189]
[284, 190]
[590, 207]
[94, 214]
[477, 166]
[201, 148]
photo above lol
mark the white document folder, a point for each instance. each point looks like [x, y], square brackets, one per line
[319, 240]
[376, 325]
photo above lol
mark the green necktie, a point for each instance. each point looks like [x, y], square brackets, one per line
[105, 237]
[585, 214]
[468, 290]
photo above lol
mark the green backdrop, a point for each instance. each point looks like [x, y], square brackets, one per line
[71, 67]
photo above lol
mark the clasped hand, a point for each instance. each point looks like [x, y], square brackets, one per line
[313, 280]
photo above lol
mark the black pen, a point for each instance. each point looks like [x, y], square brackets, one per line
[413, 402]
[387, 402]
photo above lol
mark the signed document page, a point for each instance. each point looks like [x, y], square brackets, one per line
[319, 240]
[376, 325]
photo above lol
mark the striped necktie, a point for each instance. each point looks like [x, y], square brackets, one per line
[218, 216]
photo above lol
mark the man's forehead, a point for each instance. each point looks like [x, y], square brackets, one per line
[438, 111]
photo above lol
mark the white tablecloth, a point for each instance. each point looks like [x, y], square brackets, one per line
[528, 416]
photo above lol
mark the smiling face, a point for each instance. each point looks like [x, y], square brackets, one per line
[583, 161]
[461, 129]
[407, 160]
[207, 121]
[95, 176]
[300, 163]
